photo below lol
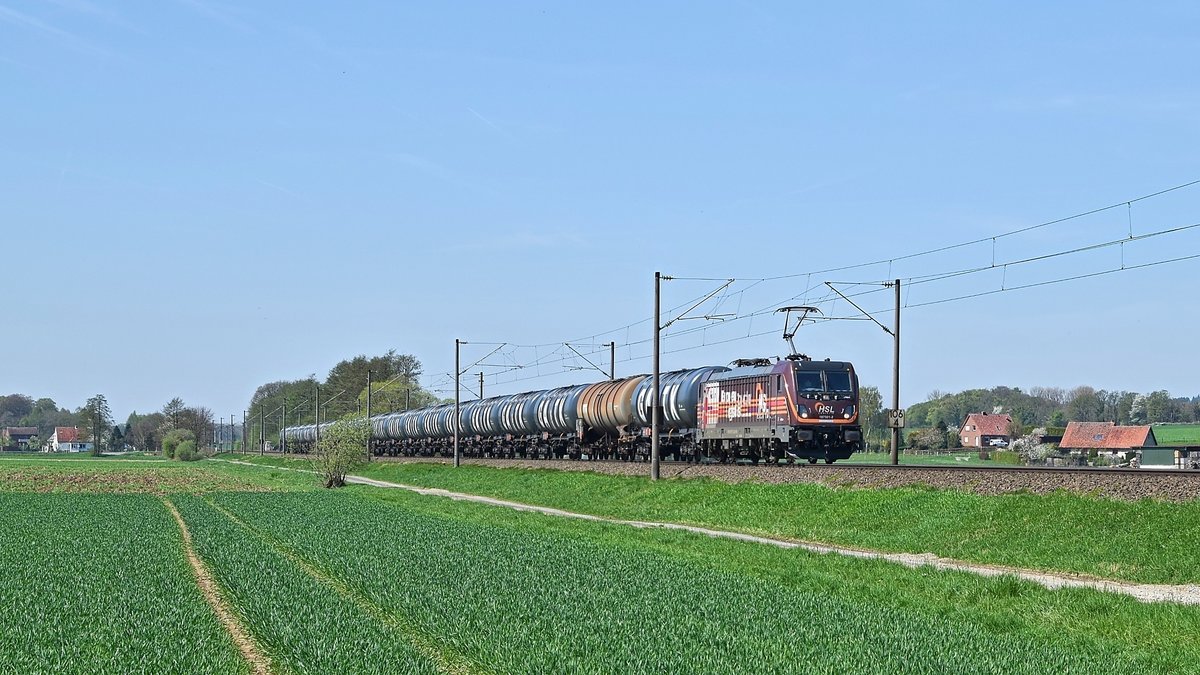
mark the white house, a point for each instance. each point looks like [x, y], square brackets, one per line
[67, 439]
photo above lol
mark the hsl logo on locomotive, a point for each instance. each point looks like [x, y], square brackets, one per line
[824, 409]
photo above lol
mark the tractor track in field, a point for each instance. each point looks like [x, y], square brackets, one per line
[242, 638]
[1184, 594]
[447, 660]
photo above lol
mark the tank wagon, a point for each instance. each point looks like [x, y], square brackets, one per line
[783, 411]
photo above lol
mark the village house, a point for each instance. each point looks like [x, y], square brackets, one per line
[981, 430]
[1106, 438]
[67, 439]
[16, 438]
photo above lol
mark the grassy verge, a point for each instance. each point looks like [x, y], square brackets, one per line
[99, 584]
[525, 593]
[1150, 542]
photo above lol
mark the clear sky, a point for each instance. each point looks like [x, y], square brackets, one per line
[198, 197]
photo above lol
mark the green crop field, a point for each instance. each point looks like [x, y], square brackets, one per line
[385, 581]
[93, 583]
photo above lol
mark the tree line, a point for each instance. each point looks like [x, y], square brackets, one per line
[394, 386]
[938, 418]
[143, 432]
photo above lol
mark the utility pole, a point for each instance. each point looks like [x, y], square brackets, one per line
[282, 429]
[245, 436]
[481, 385]
[896, 380]
[612, 360]
[896, 418]
[407, 393]
[457, 387]
[317, 411]
[656, 413]
[232, 434]
[262, 433]
[369, 415]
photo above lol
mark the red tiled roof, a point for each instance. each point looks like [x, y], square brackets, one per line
[988, 425]
[67, 434]
[1081, 435]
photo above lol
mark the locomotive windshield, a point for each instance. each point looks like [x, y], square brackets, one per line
[809, 380]
[838, 380]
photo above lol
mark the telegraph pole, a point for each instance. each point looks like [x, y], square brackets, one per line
[262, 433]
[481, 385]
[317, 411]
[369, 415]
[896, 381]
[282, 428]
[245, 435]
[232, 433]
[612, 360]
[457, 386]
[655, 415]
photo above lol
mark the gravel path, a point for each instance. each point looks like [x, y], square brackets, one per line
[1163, 485]
[1181, 594]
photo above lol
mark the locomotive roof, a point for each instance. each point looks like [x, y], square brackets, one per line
[824, 365]
[746, 371]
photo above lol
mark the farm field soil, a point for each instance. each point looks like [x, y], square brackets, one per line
[1145, 542]
[99, 584]
[106, 475]
[513, 592]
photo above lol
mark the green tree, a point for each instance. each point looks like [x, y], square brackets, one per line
[871, 417]
[95, 418]
[341, 448]
[172, 410]
[173, 439]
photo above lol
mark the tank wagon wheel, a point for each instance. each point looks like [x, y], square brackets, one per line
[812, 460]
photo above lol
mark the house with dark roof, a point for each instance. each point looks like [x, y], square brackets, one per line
[16, 438]
[981, 430]
[68, 439]
[1106, 438]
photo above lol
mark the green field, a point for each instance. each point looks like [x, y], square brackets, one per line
[98, 583]
[376, 580]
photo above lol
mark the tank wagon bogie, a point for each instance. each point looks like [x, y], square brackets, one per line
[786, 411]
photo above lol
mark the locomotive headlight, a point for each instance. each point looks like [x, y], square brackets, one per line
[804, 412]
[848, 412]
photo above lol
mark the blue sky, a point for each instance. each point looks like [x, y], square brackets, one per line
[200, 197]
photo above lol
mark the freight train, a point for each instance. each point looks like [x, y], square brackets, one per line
[784, 411]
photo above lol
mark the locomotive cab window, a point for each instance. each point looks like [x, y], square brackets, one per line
[809, 380]
[838, 380]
